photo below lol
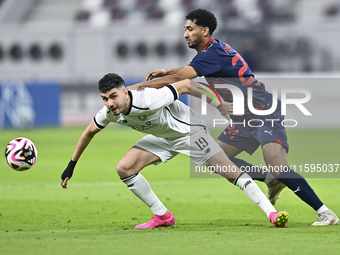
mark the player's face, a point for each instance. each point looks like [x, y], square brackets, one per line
[194, 35]
[116, 100]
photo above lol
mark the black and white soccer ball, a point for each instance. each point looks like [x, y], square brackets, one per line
[21, 154]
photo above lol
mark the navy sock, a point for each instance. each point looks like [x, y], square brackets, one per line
[256, 173]
[300, 187]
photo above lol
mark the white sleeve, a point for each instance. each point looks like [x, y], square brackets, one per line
[101, 119]
[158, 98]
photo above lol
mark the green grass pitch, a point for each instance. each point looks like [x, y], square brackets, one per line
[97, 213]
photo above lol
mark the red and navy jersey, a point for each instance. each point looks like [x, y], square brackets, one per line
[221, 64]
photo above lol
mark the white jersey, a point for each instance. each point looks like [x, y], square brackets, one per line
[156, 112]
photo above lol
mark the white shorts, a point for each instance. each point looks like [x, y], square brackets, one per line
[199, 146]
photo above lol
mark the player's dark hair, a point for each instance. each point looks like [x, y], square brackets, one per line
[203, 18]
[110, 81]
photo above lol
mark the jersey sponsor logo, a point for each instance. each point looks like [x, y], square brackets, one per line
[142, 127]
[142, 117]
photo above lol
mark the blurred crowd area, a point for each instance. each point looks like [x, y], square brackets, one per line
[63, 47]
[272, 35]
[245, 24]
[104, 12]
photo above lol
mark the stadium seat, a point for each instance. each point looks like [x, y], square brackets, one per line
[189, 5]
[117, 14]
[82, 16]
[154, 13]
[2, 53]
[16, 52]
[110, 3]
[35, 52]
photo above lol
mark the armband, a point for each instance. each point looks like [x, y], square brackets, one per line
[217, 105]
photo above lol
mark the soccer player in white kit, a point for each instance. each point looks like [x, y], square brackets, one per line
[172, 128]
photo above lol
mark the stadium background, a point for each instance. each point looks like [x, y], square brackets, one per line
[52, 54]
[68, 45]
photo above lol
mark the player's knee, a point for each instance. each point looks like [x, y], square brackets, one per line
[123, 169]
[274, 154]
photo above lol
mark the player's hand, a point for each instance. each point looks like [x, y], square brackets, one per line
[64, 183]
[155, 73]
[226, 109]
[67, 174]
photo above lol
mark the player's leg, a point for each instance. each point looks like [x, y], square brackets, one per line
[134, 161]
[249, 187]
[276, 160]
[128, 169]
[237, 138]
[255, 172]
[219, 161]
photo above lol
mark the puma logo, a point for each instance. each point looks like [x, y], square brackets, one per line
[269, 132]
[298, 189]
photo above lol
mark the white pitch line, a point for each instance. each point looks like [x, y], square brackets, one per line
[89, 184]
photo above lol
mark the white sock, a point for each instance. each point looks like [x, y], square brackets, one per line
[322, 209]
[250, 188]
[141, 188]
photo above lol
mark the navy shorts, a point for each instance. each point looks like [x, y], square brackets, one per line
[248, 138]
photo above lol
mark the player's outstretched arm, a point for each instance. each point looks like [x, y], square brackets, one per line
[187, 72]
[83, 142]
[156, 73]
[190, 87]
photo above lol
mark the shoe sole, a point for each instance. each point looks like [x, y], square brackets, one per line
[282, 219]
[326, 223]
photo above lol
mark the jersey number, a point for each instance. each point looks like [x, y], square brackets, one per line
[242, 70]
[201, 143]
[232, 131]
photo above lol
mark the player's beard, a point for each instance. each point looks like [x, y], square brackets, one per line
[194, 44]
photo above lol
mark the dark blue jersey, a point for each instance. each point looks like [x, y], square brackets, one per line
[218, 59]
[221, 64]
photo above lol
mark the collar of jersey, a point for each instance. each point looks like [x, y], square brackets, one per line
[130, 94]
[208, 43]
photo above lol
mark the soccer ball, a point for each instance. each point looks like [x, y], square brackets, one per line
[21, 154]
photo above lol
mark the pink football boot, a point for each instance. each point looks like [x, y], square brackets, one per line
[165, 220]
